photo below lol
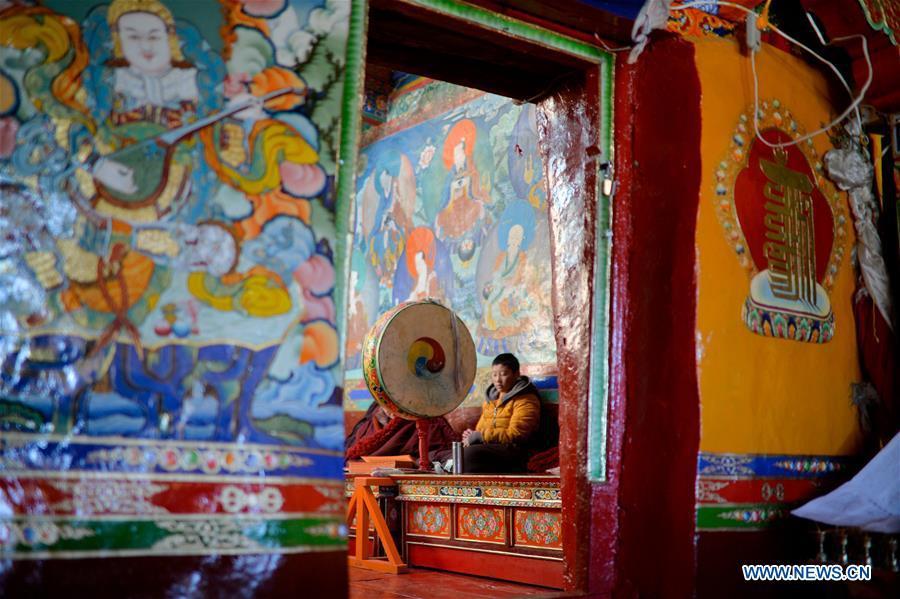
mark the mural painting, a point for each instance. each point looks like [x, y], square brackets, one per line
[167, 262]
[454, 208]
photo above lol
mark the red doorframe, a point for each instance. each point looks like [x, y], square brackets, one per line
[568, 123]
[655, 414]
[634, 533]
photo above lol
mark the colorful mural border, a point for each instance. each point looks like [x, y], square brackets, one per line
[516, 493]
[78, 537]
[693, 22]
[736, 465]
[450, 99]
[120, 496]
[754, 491]
[108, 456]
[113, 515]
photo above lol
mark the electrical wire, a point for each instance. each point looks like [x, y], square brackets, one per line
[606, 47]
[854, 106]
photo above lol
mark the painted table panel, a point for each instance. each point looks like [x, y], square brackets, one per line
[533, 528]
[424, 519]
[481, 524]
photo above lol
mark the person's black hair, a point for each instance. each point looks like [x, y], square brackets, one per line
[507, 360]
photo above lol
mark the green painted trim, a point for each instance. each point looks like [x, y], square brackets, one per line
[513, 27]
[598, 403]
[351, 126]
[727, 517]
[171, 535]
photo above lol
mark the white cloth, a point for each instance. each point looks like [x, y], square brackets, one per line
[168, 91]
[870, 500]
[852, 172]
[653, 15]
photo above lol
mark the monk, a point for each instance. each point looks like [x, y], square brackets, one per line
[510, 417]
[381, 433]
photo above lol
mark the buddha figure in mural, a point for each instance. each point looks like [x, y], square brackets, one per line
[464, 198]
[500, 295]
[386, 207]
[421, 249]
[507, 308]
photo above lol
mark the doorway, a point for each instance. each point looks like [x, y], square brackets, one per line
[561, 86]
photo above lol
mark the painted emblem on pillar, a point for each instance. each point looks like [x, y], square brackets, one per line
[786, 223]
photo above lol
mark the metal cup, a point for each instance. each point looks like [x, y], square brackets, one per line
[457, 457]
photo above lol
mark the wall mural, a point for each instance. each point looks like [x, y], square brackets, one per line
[166, 306]
[454, 207]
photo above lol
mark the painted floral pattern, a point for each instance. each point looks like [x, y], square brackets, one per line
[432, 520]
[538, 528]
[481, 524]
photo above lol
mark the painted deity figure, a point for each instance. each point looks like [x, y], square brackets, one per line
[388, 240]
[152, 84]
[357, 318]
[119, 255]
[464, 196]
[152, 80]
[508, 297]
[387, 204]
[421, 252]
[504, 295]
[524, 160]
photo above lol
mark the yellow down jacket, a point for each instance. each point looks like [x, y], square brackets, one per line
[510, 419]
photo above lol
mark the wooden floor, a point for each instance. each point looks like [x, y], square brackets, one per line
[419, 583]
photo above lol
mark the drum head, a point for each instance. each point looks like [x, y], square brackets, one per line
[414, 364]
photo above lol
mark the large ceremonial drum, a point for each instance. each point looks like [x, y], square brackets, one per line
[419, 360]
